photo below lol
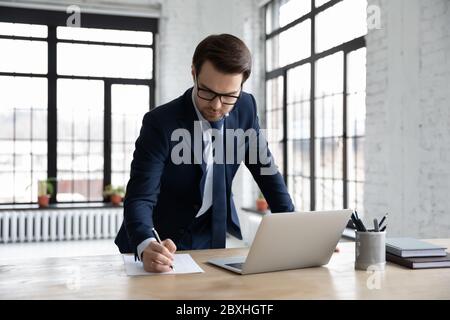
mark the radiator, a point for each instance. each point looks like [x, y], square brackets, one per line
[59, 224]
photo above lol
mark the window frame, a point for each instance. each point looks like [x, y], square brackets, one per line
[345, 48]
[53, 19]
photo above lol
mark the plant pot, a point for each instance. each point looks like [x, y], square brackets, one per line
[43, 201]
[261, 205]
[116, 199]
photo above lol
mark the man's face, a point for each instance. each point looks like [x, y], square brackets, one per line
[214, 81]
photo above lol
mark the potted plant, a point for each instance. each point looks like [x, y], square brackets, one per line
[261, 203]
[115, 194]
[45, 190]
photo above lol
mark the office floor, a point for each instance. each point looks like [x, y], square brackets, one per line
[71, 248]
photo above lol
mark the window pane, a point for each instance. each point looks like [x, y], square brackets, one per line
[23, 56]
[299, 173]
[129, 103]
[80, 116]
[105, 35]
[23, 124]
[96, 186]
[356, 196]
[6, 156]
[329, 157]
[284, 48]
[329, 132]
[22, 187]
[118, 157]
[80, 140]
[329, 194]
[39, 123]
[274, 94]
[329, 173]
[329, 116]
[299, 188]
[274, 119]
[356, 106]
[274, 109]
[119, 179]
[292, 10]
[355, 155]
[298, 102]
[283, 12]
[298, 108]
[356, 84]
[23, 30]
[329, 75]
[342, 22]
[104, 61]
[6, 187]
[276, 148]
[23, 135]
[329, 100]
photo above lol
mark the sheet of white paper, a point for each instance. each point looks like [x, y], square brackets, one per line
[183, 263]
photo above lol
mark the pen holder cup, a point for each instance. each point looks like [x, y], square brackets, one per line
[370, 250]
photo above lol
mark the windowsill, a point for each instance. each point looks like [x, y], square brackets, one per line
[81, 205]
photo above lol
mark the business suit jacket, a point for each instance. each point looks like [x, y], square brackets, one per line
[166, 195]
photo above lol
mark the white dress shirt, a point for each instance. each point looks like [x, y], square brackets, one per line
[208, 156]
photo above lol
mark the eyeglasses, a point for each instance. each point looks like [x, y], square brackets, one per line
[209, 95]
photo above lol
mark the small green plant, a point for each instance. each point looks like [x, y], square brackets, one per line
[45, 187]
[111, 190]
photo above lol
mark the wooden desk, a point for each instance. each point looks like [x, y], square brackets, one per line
[103, 277]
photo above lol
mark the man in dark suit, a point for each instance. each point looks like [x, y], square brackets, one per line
[186, 156]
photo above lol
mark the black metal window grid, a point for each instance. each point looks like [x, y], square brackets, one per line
[315, 102]
[51, 145]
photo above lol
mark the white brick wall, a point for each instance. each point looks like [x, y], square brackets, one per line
[184, 23]
[408, 118]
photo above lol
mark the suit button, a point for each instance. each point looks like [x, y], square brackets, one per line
[181, 231]
[196, 207]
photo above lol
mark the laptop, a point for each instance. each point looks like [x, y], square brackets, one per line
[290, 240]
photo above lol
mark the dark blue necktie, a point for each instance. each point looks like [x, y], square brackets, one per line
[219, 199]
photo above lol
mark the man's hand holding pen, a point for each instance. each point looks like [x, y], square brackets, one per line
[158, 257]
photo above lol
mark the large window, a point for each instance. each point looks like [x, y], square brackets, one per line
[315, 99]
[72, 101]
[23, 110]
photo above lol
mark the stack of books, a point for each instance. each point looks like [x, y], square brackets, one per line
[416, 254]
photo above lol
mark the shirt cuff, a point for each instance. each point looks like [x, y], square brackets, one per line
[141, 247]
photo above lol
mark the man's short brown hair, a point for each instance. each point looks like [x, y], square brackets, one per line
[226, 52]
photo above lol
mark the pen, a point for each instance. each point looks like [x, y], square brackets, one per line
[384, 228]
[363, 228]
[356, 223]
[156, 235]
[375, 224]
[382, 220]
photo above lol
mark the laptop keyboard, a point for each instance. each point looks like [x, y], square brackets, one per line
[236, 265]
